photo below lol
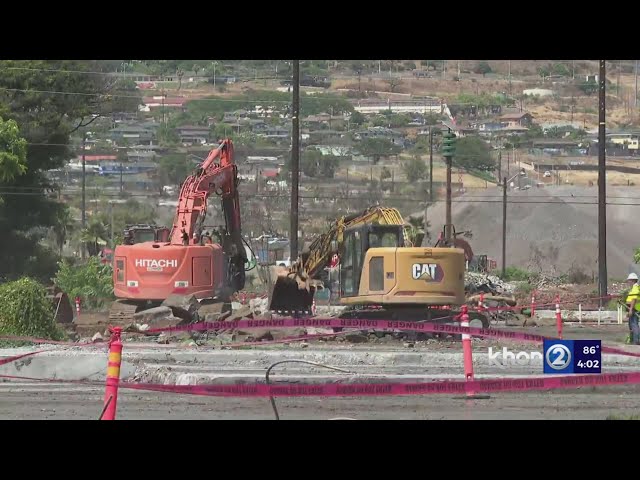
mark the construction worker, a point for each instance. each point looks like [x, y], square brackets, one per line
[633, 304]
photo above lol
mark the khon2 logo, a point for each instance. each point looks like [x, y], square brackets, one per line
[558, 356]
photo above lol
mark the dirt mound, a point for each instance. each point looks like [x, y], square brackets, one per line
[553, 238]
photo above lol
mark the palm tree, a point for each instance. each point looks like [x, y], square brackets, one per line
[93, 235]
[63, 226]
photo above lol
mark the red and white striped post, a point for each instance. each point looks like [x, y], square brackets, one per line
[558, 317]
[481, 302]
[533, 304]
[113, 375]
[78, 306]
[467, 353]
[467, 347]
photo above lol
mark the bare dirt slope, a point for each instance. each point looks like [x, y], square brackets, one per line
[555, 236]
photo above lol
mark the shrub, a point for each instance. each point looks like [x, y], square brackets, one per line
[92, 282]
[515, 274]
[25, 310]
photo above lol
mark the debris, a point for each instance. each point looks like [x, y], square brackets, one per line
[409, 345]
[242, 312]
[259, 305]
[287, 332]
[357, 337]
[257, 334]
[319, 331]
[97, 338]
[183, 306]
[158, 317]
[475, 282]
[304, 345]
[162, 338]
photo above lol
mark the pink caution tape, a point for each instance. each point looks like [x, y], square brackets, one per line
[393, 389]
[4, 361]
[373, 389]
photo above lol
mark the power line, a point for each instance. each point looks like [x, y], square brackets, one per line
[331, 197]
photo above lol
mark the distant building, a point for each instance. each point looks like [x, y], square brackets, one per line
[522, 119]
[131, 134]
[191, 134]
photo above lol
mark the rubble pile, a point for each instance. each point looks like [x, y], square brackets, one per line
[478, 282]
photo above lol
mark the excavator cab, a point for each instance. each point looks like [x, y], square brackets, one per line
[140, 233]
[357, 241]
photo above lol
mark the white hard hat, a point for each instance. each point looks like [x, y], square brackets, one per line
[632, 276]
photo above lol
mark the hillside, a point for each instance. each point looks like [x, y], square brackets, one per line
[555, 238]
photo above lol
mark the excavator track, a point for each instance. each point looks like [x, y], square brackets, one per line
[122, 311]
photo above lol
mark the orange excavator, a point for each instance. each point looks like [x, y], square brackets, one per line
[193, 260]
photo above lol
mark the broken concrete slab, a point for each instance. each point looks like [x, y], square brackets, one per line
[356, 337]
[240, 313]
[288, 332]
[183, 306]
[255, 334]
[157, 317]
[97, 338]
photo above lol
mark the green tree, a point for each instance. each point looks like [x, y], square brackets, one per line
[378, 148]
[93, 235]
[588, 88]
[310, 162]
[473, 153]
[13, 151]
[92, 281]
[483, 68]
[544, 71]
[63, 225]
[415, 169]
[167, 135]
[561, 69]
[25, 310]
[49, 101]
[357, 118]
[174, 168]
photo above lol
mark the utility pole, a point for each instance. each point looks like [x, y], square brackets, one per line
[84, 192]
[431, 163]
[509, 77]
[504, 226]
[111, 215]
[295, 161]
[448, 150]
[121, 183]
[635, 95]
[602, 191]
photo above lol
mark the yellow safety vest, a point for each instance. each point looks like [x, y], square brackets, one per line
[634, 294]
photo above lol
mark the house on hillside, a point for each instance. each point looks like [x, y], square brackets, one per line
[381, 132]
[192, 134]
[131, 134]
[520, 119]
[162, 101]
[628, 139]
[558, 146]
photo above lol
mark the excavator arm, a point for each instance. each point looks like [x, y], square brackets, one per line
[218, 175]
[293, 285]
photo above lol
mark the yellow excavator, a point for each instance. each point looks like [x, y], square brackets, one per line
[382, 273]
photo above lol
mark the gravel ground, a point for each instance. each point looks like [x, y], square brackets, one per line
[54, 402]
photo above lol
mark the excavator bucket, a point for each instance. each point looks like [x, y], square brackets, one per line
[288, 292]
